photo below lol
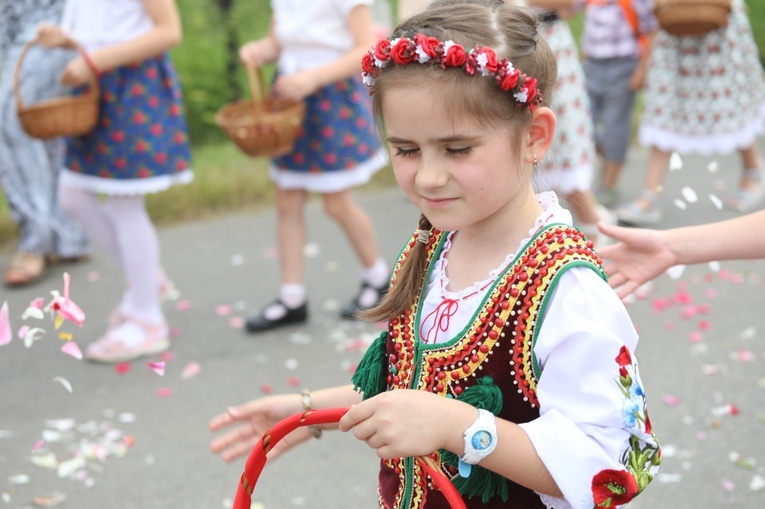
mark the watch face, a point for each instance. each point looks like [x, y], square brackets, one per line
[481, 440]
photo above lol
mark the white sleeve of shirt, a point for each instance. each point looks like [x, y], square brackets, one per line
[584, 425]
[346, 6]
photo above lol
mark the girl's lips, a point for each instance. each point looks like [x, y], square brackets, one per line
[437, 203]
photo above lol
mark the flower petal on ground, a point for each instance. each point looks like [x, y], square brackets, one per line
[33, 335]
[71, 348]
[5, 325]
[157, 367]
[191, 370]
[63, 381]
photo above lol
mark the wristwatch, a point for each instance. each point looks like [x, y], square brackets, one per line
[480, 441]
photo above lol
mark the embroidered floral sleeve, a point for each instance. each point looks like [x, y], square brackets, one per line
[593, 433]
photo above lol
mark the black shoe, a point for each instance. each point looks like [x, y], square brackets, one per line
[261, 324]
[351, 311]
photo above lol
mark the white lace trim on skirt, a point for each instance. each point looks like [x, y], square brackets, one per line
[724, 143]
[329, 182]
[100, 185]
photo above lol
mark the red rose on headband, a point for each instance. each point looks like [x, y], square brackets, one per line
[368, 64]
[510, 81]
[530, 84]
[400, 52]
[455, 56]
[491, 59]
[428, 44]
[382, 50]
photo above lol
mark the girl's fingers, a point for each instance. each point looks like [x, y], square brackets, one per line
[240, 449]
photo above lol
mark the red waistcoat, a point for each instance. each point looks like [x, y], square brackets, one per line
[498, 344]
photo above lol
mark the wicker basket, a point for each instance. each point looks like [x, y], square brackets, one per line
[262, 127]
[63, 116]
[691, 17]
[257, 459]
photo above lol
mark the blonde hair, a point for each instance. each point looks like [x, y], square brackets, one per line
[512, 32]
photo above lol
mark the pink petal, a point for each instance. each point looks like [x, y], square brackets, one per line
[659, 305]
[191, 370]
[164, 392]
[293, 381]
[37, 446]
[183, 305]
[157, 367]
[695, 336]
[236, 322]
[175, 332]
[123, 367]
[93, 276]
[711, 293]
[669, 399]
[223, 310]
[71, 348]
[5, 325]
[23, 331]
[705, 325]
[166, 356]
[669, 326]
[266, 389]
[37, 303]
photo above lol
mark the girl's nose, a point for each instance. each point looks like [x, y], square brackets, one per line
[430, 174]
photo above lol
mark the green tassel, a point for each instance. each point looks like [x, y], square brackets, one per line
[483, 395]
[481, 482]
[370, 375]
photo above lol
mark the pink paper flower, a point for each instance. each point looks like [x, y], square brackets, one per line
[65, 307]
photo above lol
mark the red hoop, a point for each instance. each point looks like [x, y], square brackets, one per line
[257, 459]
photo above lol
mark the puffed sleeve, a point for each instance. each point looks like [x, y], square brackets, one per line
[346, 6]
[593, 433]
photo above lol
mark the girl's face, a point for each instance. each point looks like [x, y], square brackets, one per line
[460, 174]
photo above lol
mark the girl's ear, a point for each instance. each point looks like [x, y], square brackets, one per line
[541, 134]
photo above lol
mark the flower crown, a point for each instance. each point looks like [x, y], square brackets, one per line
[422, 49]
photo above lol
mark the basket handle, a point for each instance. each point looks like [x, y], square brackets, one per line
[257, 459]
[257, 86]
[94, 87]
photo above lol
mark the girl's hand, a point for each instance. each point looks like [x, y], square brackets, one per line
[76, 73]
[405, 423]
[51, 36]
[297, 86]
[253, 419]
[638, 257]
[252, 55]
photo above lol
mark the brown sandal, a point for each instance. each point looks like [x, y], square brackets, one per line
[25, 269]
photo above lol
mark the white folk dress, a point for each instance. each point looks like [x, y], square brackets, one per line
[705, 94]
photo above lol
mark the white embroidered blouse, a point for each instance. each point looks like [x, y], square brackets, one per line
[585, 422]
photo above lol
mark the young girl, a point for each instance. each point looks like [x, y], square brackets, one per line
[707, 95]
[317, 46]
[507, 356]
[139, 146]
[29, 168]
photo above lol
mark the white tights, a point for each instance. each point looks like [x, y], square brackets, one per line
[121, 227]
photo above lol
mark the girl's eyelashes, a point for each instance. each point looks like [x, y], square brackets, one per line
[410, 152]
[406, 152]
[462, 151]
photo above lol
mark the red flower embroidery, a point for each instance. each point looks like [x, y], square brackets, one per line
[455, 56]
[382, 50]
[510, 81]
[368, 63]
[400, 52]
[428, 44]
[624, 358]
[612, 488]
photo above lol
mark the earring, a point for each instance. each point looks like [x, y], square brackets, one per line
[536, 162]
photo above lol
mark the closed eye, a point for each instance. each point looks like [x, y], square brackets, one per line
[463, 151]
[406, 152]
